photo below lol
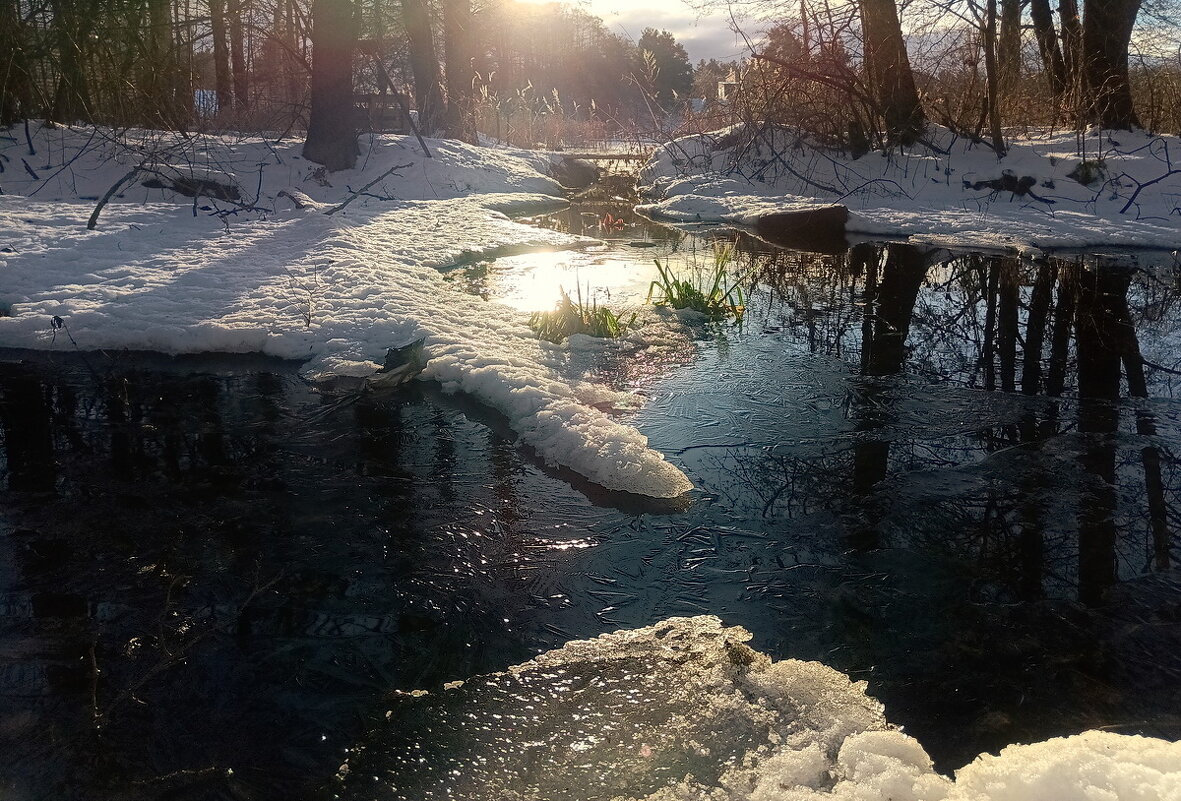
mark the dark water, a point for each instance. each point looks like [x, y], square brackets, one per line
[953, 476]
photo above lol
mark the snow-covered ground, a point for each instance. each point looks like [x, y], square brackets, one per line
[940, 193]
[165, 272]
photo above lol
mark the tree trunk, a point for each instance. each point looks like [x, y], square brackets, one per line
[424, 64]
[1099, 294]
[888, 68]
[1007, 316]
[1035, 328]
[294, 67]
[1072, 41]
[1008, 45]
[888, 313]
[223, 78]
[457, 37]
[15, 84]
[1107, 31]
[1060, 336]
[902, 278]
[158, 67]
[1047, 45]
[1150, 458]
[71, 100]
[239, 10]
[992, 78]
[332, 136]
[989, 280]
[184, 63]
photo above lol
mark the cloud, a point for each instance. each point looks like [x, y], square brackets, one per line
[703, 37]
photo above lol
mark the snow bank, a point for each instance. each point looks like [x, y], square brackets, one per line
[945, 198]
[684, 711]
[179, 275]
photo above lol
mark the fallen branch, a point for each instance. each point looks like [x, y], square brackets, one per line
[115, 187]
[1141, 186]
[385, 77]
[354, 195]
[1160, 367]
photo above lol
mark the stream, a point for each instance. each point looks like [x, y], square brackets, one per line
[953, 476]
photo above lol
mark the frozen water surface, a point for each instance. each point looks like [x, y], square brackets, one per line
[621, 716]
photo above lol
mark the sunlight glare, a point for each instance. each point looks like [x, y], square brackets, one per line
[534, 282]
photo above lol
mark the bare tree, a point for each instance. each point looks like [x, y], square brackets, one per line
[424, 64]
[458, 51]
[1047, 43]
[888, 68]
[223, 78]
[1107, 33]
[332, 136]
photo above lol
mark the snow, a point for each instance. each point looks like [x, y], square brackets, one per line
[684, 711]
[927, 193]
[166, 273]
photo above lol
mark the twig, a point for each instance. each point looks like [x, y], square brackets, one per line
[816, 77]
[75, 157]
[364, 188]
[1140, 186]
[115, 187]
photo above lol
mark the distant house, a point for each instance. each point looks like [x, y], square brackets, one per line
[728, 86]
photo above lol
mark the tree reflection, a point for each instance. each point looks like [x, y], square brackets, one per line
[25, 414]
[1047, 328]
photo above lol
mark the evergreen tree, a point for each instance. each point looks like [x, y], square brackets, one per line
[663, 71]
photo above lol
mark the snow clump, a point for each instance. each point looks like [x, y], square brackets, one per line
[684, 711]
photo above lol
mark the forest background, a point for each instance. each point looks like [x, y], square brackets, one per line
[850, 76]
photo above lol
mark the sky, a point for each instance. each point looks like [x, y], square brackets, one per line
[704, 35]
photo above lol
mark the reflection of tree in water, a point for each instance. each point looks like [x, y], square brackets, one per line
[1005, 451]
[1046, 329]
[196, 570]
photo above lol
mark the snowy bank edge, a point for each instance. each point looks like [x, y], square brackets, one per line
[552, 414]
[926, 199]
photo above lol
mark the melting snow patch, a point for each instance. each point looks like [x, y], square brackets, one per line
[335, 291]
[685, 711]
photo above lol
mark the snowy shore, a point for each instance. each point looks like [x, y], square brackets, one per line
[1106, 189]
[177, 275]
[266, 269]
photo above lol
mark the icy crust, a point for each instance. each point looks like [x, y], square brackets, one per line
[618, 717]
[333, 291]
[931, 196]
[684, 711]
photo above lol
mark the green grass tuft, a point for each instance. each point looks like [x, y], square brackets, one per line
[579, 317]
[702, 290]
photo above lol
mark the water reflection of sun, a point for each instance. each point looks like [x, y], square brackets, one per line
[535, 281]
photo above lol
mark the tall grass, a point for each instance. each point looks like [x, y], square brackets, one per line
[707, 291]
[579, 317]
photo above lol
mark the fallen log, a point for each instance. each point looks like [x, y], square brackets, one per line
[816, 230]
